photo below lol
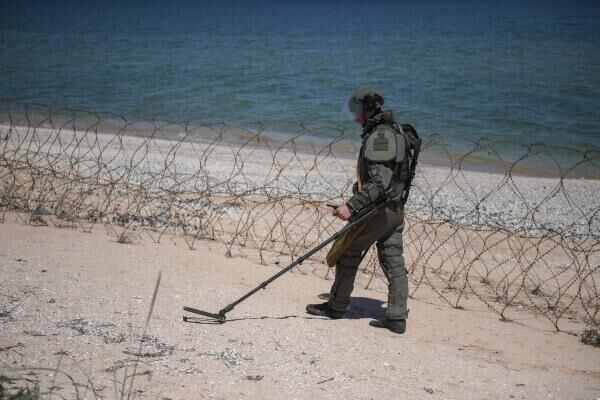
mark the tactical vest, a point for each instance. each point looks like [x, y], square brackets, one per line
[403, 160]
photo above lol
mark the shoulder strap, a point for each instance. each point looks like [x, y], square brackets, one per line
[412, 151]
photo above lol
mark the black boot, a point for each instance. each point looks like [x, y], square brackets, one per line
[394, 325]
[323, 310]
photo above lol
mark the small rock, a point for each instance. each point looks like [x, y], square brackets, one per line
[591, 336]
[41, 210]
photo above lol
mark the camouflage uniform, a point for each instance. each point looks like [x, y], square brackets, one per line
[378, 174]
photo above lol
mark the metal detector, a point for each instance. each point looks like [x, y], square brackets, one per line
[361, 216]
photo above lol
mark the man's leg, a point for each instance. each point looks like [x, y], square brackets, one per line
[389, 250]
[391, 258]
[345, 274]
[382, 224]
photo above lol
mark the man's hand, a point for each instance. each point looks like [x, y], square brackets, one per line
[342, 212]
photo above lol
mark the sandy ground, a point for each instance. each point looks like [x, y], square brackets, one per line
[76, 303]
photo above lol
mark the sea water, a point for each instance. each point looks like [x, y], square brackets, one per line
[522, 71]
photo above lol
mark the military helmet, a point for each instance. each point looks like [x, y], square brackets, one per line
[364, 100]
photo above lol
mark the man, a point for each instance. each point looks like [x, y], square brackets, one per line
[382, 173]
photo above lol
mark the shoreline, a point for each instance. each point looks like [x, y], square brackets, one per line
[239, 163]
[435, 153]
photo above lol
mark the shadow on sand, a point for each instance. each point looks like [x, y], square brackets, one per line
[360, 307]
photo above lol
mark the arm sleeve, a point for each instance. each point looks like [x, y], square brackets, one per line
[380, 176]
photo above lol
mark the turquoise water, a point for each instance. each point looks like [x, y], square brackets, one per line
[525, 71]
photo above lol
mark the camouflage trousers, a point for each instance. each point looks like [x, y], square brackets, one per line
[385, 230]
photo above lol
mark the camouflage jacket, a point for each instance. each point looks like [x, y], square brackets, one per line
[377, 174]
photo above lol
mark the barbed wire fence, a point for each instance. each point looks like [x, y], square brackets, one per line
[490, 224]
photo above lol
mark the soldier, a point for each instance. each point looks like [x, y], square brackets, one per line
[382, 173]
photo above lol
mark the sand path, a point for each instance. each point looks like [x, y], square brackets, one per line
[77, 303]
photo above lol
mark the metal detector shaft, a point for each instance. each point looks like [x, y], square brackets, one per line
[355, 221]
[301, 259]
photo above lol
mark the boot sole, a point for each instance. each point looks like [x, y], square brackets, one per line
[320, 313]
[397, 331]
